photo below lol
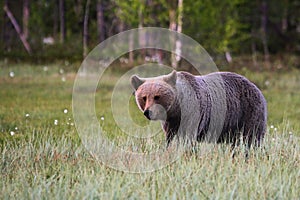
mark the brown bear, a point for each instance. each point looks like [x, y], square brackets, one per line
[218, 107]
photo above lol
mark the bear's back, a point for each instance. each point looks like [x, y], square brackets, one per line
[237, 86]
[233, 96]
[246, 105]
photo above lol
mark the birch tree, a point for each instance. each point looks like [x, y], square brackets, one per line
[86, 28]
[17, 27]
[176, 25]
[62, 27]
[100, 21]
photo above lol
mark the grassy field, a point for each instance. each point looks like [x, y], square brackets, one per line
[42, 156]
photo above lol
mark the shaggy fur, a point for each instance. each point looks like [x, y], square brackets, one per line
[218, 107]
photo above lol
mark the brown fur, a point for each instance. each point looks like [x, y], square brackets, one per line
[218, 107]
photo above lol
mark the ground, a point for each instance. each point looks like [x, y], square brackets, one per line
[42, 157]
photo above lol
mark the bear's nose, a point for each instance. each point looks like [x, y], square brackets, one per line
[147, 113]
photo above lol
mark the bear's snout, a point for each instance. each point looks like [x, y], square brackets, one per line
[155, 112]
[148, 113]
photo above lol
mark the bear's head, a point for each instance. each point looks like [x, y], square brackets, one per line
[155, 96]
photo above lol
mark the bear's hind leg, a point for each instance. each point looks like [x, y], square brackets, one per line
[253, 135]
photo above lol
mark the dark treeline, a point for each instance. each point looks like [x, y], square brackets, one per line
[47, 29]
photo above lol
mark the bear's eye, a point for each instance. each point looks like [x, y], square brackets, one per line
[156, 97]
[144, 98]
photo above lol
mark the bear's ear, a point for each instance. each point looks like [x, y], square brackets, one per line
[136, 82]
[171, 78]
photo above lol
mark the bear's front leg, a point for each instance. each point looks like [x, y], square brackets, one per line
[171, 127]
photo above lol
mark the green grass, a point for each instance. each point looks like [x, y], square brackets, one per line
[42, 160]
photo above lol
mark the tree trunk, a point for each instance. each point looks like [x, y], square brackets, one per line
[17, 28]
[142, 39]
[62, 21]
[228, 56]
[180, 15]
[172, 19]
[264, 19]
[25, 18]
[173, 27]
[4, 28]
[130, 44]
[284, 21]
[100, 21]
[55, 21]
[85, 28]
[179, 30]
[253, 48]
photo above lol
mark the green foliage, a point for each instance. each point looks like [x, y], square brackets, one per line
[128, 11]
[146, 13]
[220, 26]
[215, 24]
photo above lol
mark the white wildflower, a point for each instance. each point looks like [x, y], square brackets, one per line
[267, 83]
[67, 62]
[12, 74]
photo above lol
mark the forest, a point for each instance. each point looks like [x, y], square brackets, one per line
[46, 140]
[46, 30]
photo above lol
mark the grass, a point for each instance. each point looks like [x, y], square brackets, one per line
[41, 160]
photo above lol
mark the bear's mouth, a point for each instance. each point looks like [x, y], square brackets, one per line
[156, 112]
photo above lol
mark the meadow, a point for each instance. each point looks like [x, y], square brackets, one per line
[42, 156]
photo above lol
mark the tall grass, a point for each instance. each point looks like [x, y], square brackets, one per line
[44, 166]
[46, 160]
